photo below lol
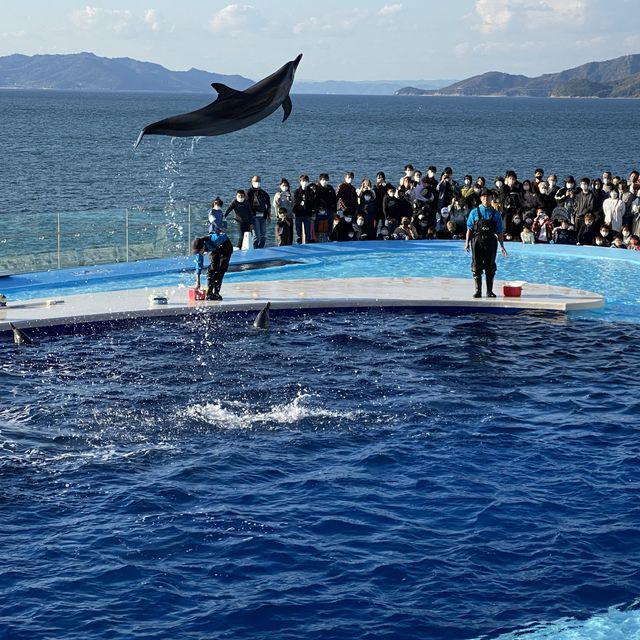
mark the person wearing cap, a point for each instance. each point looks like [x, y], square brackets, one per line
[484, 232]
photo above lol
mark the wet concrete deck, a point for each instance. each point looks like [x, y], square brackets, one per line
[426, 294]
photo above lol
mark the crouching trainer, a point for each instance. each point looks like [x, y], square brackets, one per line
[219, 248]
[484, 232]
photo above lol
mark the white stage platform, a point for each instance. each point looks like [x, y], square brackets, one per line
[427, 294]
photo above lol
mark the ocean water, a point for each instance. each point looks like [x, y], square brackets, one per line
[365, 475]
[68, 151]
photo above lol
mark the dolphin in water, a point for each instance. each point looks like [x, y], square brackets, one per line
[232, 109]
[262, 319]
[19, 336]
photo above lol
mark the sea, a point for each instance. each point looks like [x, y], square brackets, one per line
[363, 475]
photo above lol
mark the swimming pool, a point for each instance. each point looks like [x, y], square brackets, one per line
[612, 273]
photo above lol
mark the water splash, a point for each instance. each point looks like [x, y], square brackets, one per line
[241, 415]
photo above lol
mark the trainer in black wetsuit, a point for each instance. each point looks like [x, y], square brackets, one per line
[484, 232]
[219, 248]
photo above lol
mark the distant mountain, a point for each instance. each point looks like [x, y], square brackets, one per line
[612, 78]
[372, 87]
[86, 71]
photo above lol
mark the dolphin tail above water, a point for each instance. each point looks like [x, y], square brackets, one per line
[232, 110]
[262, 319]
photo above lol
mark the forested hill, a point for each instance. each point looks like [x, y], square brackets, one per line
[617, 78]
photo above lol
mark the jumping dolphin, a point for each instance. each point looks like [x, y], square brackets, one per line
[262, 319]
[19, 336]
[232, 109]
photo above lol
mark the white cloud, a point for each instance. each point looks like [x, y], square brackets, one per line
[494, 15]
[234, 18]
[151, 19]
[109, 19]
[347, 21]
[498, 15]
[389, 10]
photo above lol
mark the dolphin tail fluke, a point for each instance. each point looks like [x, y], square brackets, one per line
[287, 106]
[135, 146]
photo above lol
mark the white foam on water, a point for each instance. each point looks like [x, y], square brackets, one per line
[241, 415]
[614, 624]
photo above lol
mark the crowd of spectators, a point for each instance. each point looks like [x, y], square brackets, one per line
[604, 211]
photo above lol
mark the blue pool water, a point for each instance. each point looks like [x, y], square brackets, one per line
[612, 273]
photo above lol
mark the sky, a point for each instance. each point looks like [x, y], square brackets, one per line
[340, 39]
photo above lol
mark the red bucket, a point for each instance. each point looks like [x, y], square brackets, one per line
[196, 294]
[511, 291]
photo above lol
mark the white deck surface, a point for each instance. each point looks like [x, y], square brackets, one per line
[426, 293]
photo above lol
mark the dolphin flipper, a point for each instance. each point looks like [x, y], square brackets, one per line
[287, 106]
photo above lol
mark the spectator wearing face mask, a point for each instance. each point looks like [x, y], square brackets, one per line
[347, 195]
[283, 199]
[362, 232]
[614, 211]
[304, 206]
[467, 187]
[284, 229]
[603, 237]
[585, 202]
[530, 199]
[515, 228]
[587, 233]
[390, 208]
[552, 185]
[343, 230]
[326, 205]
[441, 223]
[546, 200]
[445, 189]
[542, 227]
[243, 213]
[261, 205]
[538, 179]
[368, 210]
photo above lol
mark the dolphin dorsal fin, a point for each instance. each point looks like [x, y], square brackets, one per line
[224, 91]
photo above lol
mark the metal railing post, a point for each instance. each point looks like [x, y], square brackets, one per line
[126, 234]
[59, 256]
[189, 229]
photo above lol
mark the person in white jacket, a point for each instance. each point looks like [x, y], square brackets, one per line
[613, 209]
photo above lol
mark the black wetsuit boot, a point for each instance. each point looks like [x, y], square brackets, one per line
[478, 293]
[490, 293]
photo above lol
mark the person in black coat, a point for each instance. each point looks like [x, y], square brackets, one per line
[304, 206]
